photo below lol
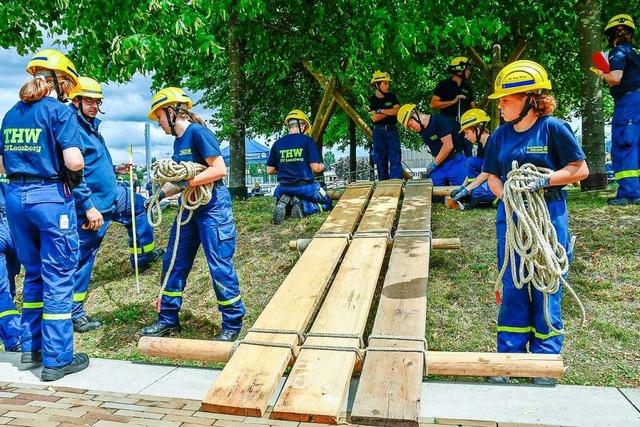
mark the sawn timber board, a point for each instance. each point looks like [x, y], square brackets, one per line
[319, 380]
[250, 378]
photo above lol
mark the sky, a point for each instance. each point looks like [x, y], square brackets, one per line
[125, 107]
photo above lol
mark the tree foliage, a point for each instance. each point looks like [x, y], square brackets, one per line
[184, 43]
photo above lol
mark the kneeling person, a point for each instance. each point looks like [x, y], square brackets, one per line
[294, 159]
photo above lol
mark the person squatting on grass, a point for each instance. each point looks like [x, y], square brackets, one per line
[40, 151]
[294, 159]
[531, 135]
[475, 191]
[96, 200]
[211, 225]
[624, 85]
[442, 136]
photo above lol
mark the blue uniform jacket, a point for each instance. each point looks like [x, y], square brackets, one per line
[98, 188]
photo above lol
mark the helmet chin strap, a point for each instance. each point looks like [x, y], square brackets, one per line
[479, 130]
[172, 123]
[524, 112]
[416, 117]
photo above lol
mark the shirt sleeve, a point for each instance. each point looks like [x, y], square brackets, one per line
[617, 59]
[66, 132]
[564, 148]
[272, 160]
[207, 144]
[439, 90]
[491, 164]
[82, 196]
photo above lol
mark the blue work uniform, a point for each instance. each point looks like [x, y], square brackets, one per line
[625, 125]
[481, 194]
[453, 170]
[212, 226]
[42, 219]
[292, 155]
[387, 154]
[448, 90]
[549, 143]
[144, 233]
[9, 267]
[97, 190]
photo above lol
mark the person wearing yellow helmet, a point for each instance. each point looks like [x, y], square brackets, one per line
[442, 137]
[531, 135]
[454, 96]
[475, 191]
[211, 225]
[624, 85]
[294, 159]
[41, 154]
[383, 107]
[99, 200]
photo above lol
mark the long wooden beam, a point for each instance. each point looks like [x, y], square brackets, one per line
[438, 362]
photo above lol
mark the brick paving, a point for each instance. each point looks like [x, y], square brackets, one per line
[45, 405]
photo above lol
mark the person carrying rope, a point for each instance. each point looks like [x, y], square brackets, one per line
[475, 191]
[41, 154]
[531, 136]
[208, 222]
[294, 159]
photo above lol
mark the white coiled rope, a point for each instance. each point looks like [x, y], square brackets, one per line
[166, 170]
[543, 260]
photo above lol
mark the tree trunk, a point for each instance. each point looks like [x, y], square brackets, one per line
[589, 37]
[353, 161]
[237, 167]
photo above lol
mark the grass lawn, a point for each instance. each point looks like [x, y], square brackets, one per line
[462, 311]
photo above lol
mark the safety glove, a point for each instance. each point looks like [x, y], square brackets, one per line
[459, 193]
[538, 184]
[71, 178]
[432, 166]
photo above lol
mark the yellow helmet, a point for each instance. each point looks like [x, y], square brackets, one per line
[621, 19]
[89, 88]
[459, 63]
[168, 95]
[473, 117]
[520, 77]
[404, 113]
[380, 76]
[52, 59]
[300, 115]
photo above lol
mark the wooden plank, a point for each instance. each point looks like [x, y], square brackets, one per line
[345, 215]
[249, 380]
[390, 384]
[319, 381]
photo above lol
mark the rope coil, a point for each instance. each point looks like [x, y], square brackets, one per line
[167, 170]
[543, 260]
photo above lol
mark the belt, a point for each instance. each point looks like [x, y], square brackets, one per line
[295, 184]
[554, 195]
[627, 92]
[30, 179]
[385, 127]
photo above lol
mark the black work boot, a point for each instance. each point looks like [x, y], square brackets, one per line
[280, 211]
[156, 254]
[158, 330]
[79, 362]
[85, 323]
[296, 208]
[227, 335]
[31, 357]
[15, 349]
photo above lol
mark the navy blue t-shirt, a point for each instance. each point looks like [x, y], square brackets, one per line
[626, 58]
[387, 101]
[33, 136]
[438, 127]
[291, 155]
[549, 143]
[447, 90]
[196, 144]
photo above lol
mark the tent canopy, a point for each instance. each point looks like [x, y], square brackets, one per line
[255, 152]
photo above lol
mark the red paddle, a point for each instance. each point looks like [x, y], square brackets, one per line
[601, 61]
